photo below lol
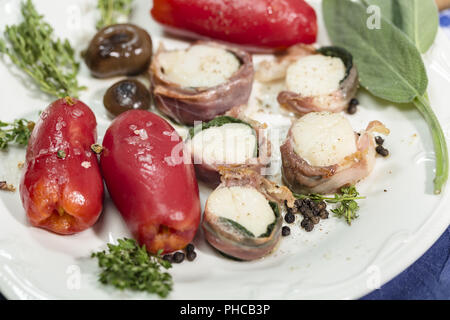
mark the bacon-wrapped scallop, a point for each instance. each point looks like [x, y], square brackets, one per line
[242, 216]
[322, 153]
[201, 82]
[316, 80]
[227, 141]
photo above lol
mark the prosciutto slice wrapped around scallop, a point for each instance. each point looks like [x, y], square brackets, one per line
[203, 81]
[226, 141]
[316, 80]
[322, 153]
[242, 216]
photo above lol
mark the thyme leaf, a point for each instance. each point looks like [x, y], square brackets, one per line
[17, 132]
[50, 63]
[346, 208]
[129, 266]
[112, 11]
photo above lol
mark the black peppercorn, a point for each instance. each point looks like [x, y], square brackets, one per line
[353, 106]
[323, 214]
[382, 151]
[289, 217]
[285, 231]
[190, 248]
[379, 140]
[191, 255]
[307, 225]
[178, 257]
[168, 257]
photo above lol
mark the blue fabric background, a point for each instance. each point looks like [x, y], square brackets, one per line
[429, 277]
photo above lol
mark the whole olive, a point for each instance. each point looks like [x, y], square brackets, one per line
[119, 49]
[126, 95]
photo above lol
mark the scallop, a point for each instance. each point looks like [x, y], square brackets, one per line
[201, 82]
[241, 222]
[323, 138]
[199, 66]
[325, 79]
[227, 142]
[231, 143]
[322, 153]
[315, 75]
[244, 206]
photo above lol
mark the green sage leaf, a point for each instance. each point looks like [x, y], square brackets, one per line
[418, 19]
[389, 64]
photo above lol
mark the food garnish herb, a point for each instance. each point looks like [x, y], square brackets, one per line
[112, 11]
[388, 56]
[50, 63]
[17, 132]
[129, 266]
[61, 154]
[347, 207]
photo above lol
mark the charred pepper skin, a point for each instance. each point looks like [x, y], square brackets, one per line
[62, 188]
[258, 25]
[151, 180]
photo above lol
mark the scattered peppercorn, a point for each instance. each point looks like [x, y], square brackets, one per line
[289, 217]
[168, 257]
[191, 255]
[307, 225]
[190, 248]
[312, 211]
[379, 140]
[285, 231]
[178, 257]
[382, 151]
[353, 106]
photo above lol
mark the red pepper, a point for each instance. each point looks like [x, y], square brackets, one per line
[256, 24]
[151, 180]
[62, 189]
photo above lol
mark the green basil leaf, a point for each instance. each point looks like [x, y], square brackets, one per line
[389, 64]
[419, 19]
[237, 226]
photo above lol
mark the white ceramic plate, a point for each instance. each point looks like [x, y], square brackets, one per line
[334, 261]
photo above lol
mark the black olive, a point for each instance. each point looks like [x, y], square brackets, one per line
[126, 95]
[119, 49]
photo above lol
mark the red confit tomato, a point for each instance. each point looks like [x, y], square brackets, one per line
[62, 189]
[258, 25]
[151, 180]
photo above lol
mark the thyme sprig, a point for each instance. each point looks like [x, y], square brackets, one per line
[129, 266]
[111, 11]
[347, 207]
[17, 132]
[50, 63]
